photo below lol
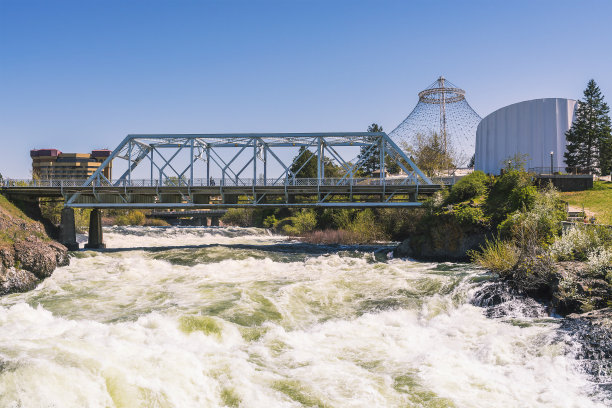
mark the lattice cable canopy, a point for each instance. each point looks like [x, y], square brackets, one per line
[442, 109]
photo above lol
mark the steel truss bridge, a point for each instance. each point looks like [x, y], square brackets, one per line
[200, 171]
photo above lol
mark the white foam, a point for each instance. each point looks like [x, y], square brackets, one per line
[330, 330]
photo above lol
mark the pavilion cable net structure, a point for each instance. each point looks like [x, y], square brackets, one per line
[442, 109]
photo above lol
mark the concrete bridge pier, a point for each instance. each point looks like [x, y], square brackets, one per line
[67, 234]
[96, 239]
[214, 221]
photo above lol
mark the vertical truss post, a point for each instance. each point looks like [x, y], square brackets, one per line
[381, 159]
[207, 165]
[255, 143]
[265, 162]
[152, 149]
[130, 162]
[191, 163]
[319, 173]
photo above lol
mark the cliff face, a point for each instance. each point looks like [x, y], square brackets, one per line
[443, 239]
[27, 254]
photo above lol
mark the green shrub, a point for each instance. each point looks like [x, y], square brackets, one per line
[270, 221]
[522, 198]
[599, 261]
[577, 242]
[467, 215]
[469, 187]
[156, 222]
[342, 218]
[367, 227]
[513, 191]
[132, 217]
[398, 223]
[304, 221]
[544, 218]
[239, 217]
[436, 201]
[497, 256]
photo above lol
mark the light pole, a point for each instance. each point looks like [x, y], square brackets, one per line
[551, 162]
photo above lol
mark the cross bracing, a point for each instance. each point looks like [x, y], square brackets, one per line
[242, 170]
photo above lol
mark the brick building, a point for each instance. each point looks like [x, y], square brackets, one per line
[51, 164]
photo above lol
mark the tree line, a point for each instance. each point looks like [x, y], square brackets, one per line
[589, 140]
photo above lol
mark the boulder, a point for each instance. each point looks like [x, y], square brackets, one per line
[7, 256]
[61, 253]
[16, 280]
[403, 250]
[37, 257]
[452, 245]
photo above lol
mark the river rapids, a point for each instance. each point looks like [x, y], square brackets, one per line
[214, 317]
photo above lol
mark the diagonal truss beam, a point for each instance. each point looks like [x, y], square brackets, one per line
[232, 154]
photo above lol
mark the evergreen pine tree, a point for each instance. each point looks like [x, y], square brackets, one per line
[589, 142]
[371, 163]
[304, 164]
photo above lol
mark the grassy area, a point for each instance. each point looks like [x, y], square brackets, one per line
[10, 209]
[597, 200]
[15, 225]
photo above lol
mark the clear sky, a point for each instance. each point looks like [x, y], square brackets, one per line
[78, 75]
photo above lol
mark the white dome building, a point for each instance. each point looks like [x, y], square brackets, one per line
[532, 128]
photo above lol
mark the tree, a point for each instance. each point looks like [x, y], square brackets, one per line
[305, 165]
[372, 162]
[428, 154]
[472, 162]
[589, 142]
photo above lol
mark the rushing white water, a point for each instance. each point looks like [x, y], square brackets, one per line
[236, 317]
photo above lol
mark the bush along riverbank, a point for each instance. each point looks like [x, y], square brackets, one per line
[330, 226]
[27, 254]
[507, 226]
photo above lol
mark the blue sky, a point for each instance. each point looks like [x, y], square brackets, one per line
[78, 75]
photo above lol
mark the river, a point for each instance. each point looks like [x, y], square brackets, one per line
[211, 317]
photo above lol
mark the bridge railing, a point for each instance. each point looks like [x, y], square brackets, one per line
[8, 183]
[225, 182]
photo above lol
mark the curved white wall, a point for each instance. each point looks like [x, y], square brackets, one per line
[534, 128]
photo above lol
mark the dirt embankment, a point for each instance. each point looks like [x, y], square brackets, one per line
[27, 254]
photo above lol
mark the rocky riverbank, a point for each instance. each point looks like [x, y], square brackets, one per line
[447, 243]
[569, 290]
[588, 335]
[27, 254]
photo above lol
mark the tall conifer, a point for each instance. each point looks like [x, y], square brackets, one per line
[589, 142]
[372, 162]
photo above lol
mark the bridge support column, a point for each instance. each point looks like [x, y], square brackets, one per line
[214, 221]
[67, 234]
[412, 197]
[96, 240]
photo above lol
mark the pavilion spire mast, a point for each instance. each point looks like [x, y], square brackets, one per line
[442, 109]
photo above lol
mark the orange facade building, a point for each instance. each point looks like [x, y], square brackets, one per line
[52, 164]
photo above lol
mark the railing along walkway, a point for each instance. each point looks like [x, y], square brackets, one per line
[222, 182]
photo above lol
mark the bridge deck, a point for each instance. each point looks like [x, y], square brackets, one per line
[185, 196]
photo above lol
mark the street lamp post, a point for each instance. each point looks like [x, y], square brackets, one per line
[551, 162]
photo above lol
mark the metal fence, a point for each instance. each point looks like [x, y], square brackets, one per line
[224, 182]
[559, 171]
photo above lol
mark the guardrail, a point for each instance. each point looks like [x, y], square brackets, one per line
[568, 171]
[224, 182]
[567, 225]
